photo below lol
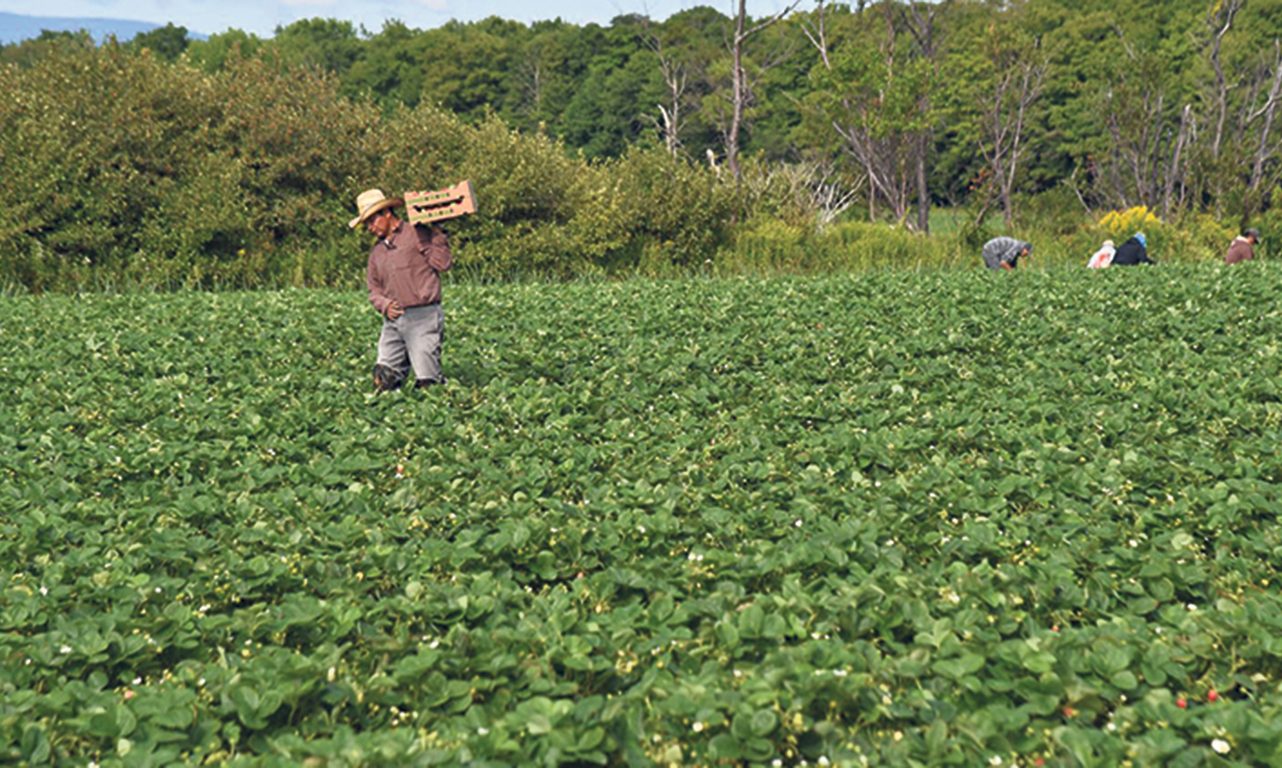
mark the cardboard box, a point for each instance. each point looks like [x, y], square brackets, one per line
[439, 205]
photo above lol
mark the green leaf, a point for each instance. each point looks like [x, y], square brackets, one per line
[966, 664]
[34, 745]
[723, 746]
[1040, 662]
[591, 739]
[538, 724]
[1124, 680]
[763, 722]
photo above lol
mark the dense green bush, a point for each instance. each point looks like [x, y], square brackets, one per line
[530, 190]
[94, 145]
[122, 170]
[675, 213]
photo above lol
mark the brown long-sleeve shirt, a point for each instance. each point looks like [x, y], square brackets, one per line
[1240, 250]
[406, 267]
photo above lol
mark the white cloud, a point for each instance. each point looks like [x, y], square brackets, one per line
[434, 5]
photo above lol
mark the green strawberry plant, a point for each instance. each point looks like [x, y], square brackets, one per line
[894, 518]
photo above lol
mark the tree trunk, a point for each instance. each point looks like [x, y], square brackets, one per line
[738, 94]
[1263, 151]
[739, 78]
[923, 28]
[1173, 173]
[923, 191]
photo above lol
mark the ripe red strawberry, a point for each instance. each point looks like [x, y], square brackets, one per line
[1211, 695]
[1181, 703]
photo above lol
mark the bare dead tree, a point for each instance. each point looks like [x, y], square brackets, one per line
[922, 27]
[1265, 148]
[1149, 160]
[1133, 146]
[1077, 189]
[816, 189]
[828, 196]
[884, 158]
[671, 119]
[739, 80]
[1016, 86]
[530, 72]
[853, 137]
[1174, 172]
[1160, 157]
[818, 33]
[1220, 20]
[890, 150]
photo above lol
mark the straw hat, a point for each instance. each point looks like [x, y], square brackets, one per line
[370, 202]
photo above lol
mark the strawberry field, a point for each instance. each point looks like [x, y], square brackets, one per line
[892, 519]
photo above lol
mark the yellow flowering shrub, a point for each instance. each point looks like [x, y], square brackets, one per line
[1193, 237]
[1129, 221]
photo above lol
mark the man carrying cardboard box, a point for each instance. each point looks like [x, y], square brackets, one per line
[404, 280]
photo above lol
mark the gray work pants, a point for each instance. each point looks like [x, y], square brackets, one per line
[414, 339]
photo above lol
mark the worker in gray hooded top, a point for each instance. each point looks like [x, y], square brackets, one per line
[1005, 252]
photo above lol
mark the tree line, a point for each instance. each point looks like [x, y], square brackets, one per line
[997, 112]
[1170, 105]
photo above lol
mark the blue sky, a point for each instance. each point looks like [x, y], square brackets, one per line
[263, 16]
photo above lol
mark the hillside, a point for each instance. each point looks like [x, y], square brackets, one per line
[15, 27]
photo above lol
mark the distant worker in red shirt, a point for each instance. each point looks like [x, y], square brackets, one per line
[1243, 246]
[404, 280]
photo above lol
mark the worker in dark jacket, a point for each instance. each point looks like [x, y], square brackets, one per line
[1132, 252]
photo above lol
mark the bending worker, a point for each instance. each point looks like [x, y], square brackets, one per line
[1133, 252]
[1005, 252]
[1243, 246]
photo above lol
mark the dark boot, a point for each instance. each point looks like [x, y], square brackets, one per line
[386, 379]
